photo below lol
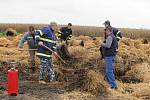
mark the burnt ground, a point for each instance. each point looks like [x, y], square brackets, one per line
[33, 90]
[30, 89]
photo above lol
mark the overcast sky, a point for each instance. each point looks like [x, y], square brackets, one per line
[121, 13]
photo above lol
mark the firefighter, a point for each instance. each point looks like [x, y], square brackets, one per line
[115, 31]
[65, 33]
[29, 37]
[110, 47]
[46, 37]
[63, 36]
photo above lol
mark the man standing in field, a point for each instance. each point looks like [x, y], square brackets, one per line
[110, 47]
[115, 32]
[46, 39]
[29, 37]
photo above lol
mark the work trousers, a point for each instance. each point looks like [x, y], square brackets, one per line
[31, 60]
[46, 66]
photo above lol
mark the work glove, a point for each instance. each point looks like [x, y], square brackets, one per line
[40, 43]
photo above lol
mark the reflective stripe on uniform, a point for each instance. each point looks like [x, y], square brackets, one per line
[63, 42]
[37, 36]
[118, 37]
[44, 39]
[117, 33]
[54, 47]
[58, 34]
[30, 37]
[41, 54]
[41, 33]
[48, 40]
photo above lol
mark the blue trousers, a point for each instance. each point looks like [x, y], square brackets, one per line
[109, 61]
[46, 66]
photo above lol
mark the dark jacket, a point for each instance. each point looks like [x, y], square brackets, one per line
[110, 46]
[66, 33]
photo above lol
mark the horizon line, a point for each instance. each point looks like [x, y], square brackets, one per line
[74, 25]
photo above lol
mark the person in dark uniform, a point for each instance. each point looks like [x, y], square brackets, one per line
[63, 36]
[65, 33]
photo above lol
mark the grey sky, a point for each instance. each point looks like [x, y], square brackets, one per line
[121, 13]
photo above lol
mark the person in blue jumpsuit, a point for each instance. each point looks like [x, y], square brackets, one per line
[46, 37]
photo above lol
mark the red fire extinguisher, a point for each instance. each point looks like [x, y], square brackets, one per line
[12, 80]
